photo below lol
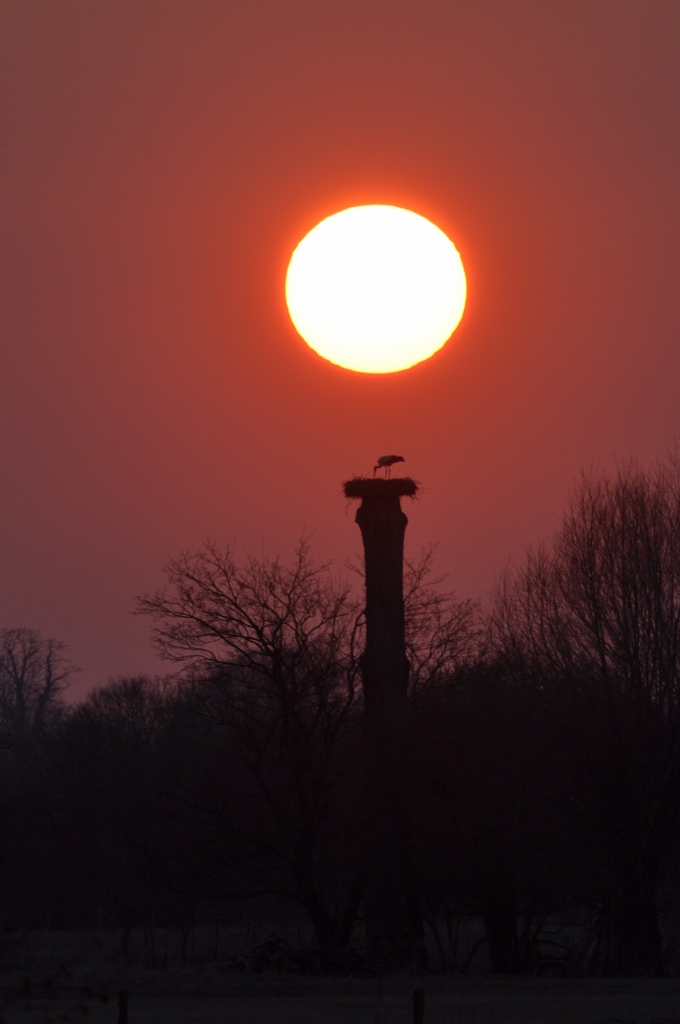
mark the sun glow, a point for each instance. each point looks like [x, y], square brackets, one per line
[375, 288]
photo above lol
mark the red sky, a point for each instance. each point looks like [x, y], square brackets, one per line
[159, 162]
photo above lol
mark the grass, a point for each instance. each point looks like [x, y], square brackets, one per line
[76, 976]
[269, 1000]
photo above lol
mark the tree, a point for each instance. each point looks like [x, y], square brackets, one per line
[107, 808]
[34, 672]
[267, 755]
[593, 623]
[444, 634]
[269, 685]
[489, 831]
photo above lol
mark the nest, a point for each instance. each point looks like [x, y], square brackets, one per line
[371, 487]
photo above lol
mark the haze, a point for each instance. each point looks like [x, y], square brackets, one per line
[161, 160]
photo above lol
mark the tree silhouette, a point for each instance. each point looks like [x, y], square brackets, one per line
[34, 672]
[269, 689]
[593, 621]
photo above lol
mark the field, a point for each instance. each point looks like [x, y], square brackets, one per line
[265, 1000]
[59, 977]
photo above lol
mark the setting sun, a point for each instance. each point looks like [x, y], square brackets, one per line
[375, 289]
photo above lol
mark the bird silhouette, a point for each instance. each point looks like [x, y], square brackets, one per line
[386, 462]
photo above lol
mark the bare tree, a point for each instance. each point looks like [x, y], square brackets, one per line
[594, 622]
[34, 672]
[444, 634]
[269, 655]
[263, 613]
[269, 682]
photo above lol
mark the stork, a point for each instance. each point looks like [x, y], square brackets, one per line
[386, 462]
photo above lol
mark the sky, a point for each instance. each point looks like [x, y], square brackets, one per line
[160, 161]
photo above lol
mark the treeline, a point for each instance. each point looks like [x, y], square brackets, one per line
[540, 765]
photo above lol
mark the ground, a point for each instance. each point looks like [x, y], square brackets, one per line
[49, 977]
[207, 998]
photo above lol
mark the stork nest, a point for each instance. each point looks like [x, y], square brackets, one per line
[375, 487]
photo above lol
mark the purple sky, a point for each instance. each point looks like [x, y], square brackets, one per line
[159, 162]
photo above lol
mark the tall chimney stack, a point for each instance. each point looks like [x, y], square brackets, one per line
[394, 926]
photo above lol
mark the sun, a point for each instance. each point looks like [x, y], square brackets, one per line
[376, 289]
